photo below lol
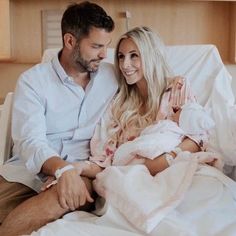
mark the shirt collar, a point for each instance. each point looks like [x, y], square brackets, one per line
[64, 77]
[59, 69]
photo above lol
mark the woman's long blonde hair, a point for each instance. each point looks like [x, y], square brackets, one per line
[126, 106]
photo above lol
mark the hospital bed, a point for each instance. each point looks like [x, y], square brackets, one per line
[200, 64]
[211, 83]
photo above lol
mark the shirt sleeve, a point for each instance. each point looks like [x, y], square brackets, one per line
[200, 138]
[29, 125]
[102, 152]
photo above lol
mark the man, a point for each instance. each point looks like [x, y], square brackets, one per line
[56, 107]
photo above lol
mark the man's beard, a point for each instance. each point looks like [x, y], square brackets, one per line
[84, 65]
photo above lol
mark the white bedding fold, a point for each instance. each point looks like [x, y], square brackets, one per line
[145, 200]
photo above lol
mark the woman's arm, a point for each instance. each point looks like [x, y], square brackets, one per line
[160, 163]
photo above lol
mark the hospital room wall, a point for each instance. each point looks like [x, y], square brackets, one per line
[177, 21]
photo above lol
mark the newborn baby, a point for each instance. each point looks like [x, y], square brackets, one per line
[164, 136]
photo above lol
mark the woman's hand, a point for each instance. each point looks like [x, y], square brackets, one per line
[178, 93]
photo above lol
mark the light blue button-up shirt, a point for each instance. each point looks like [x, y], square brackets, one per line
[54, 116]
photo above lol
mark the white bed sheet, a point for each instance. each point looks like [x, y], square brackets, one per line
[187, 199]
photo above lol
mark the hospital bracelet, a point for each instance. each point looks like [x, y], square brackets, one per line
[169, 157]
[176, 151]
[60, 171]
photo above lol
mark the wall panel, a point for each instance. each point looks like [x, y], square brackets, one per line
[5, 37]
[178, 22]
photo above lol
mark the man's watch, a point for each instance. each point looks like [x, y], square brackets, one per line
[60, 171]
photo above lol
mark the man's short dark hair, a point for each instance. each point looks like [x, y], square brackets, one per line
[79, 18]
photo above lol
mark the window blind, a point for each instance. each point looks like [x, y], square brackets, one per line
[51, 29]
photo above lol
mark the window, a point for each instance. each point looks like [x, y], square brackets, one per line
[51, 28]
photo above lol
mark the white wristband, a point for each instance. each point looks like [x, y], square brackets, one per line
[169, 158]
[176, 151]
[59, 172]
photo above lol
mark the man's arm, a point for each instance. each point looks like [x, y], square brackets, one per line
[29, 129]
[29, 125]
[52, 164]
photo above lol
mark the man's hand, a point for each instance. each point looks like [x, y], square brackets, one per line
[72, 191]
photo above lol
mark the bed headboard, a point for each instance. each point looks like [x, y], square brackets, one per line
[201, 64]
